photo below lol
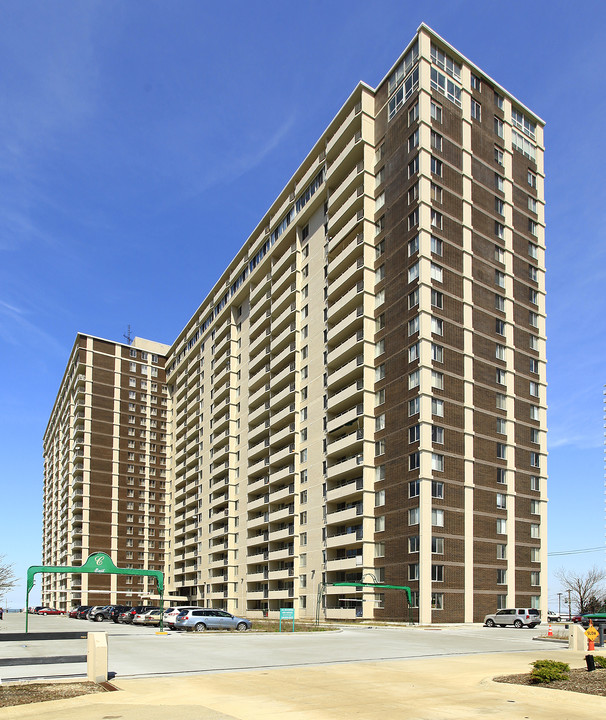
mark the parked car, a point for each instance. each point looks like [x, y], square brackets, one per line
[116, 611]
[201, 620]
[92, 611]
[152, 617]
[127, 617]
[553, 617]
[50, 611]
[597, 618]
[518, 617]
[83, 612]
[576, 618]
[73, 613]
[171, 613]
[99, 614]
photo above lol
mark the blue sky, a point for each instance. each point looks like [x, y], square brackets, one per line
[145, 138]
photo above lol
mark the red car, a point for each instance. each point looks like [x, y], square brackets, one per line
[50, 611]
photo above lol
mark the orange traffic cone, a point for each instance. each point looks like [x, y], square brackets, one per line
[549, 632]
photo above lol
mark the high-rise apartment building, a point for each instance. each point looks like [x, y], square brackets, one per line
[105, 468]
[362, 394]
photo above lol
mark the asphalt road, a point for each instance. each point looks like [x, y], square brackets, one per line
[140, 652]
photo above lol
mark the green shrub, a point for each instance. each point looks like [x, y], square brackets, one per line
[600, 661]
[546, 671]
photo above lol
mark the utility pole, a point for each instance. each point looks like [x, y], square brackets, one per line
[559, 604]
[569, 606]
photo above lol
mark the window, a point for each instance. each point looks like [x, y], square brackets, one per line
[534, 412]
[413, 406]
[499, 303]
[436, 141]
[413, 193]
[533, 296]
[533, 227]
[437, 462]
[379, 372]
[413, 113]
[413, 246]
[413, 544]
[380, 201]
[445, 86]
[500, 376]
[413, 489]
[498, 100]
[380, 348]
[413, 516]
[413, 325]
[436, 111]
[437, 326]
[501, 501]
[535, 459]
[476, 83]
[380, 498]
[498, 127]
[437, 601]
[501, 552]
[379, 227]
[380, 273]
[437, 434]
[437, 353]
[533, 273]
[380, 523]
[437, 380]
[498, 156]
[499, 182]
[535, 555]
[499, 327]
[437, 517]
[436, 166]
[380, 422]
[437, 573]
[501, 426]
[436, 246]
[413, 140]
[413, 461]
[524, 146]
[476, 110]
[379, 549]
[379, 180]
[535, 578]
[521, 122]
[413, 379]
[437, 545]
[500, 351]
[413, 166]
[534, 389]
[501, 577]
[379, 473]
[532, 204]
[413, 571]
[379, 450]
[499, 278]
[533, 319]
[437, 489]
[413, 352]
[501, 526]
[436, 193]
[534, 507]
[436, 219]
[436, 272]
[533, 342]
[380, 397]
[445, 62]
[413, 271]
[499, 231]
[413, 298]
[534, 531]
[499, 206]
[437, 299]
[531, 179]
[534, 483]
[533, 251]
[437, 407]
[304, 455]
[501, 451]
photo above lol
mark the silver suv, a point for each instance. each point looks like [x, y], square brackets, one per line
[518, 617]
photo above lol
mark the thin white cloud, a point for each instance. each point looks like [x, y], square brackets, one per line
[17, 330]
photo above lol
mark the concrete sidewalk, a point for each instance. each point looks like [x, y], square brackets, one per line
[430, 689]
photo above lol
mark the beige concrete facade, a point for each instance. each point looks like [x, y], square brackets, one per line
[286, 470]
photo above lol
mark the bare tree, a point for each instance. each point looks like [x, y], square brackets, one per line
[7, 576]
[584, 587]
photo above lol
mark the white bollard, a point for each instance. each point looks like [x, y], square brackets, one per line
[96, 657]
[577, 640]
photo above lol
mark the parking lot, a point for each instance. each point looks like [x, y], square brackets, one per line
[136, 651]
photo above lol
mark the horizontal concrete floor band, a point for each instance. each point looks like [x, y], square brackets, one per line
[48, 660]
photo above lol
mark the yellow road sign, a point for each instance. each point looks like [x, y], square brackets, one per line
[591, 632]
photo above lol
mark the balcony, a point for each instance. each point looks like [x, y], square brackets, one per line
[282, 474]
[344, 539]
[350, 465]
[259, 342]
[256, 432]
[259, 413]
[282, 534]
[351, 124]
[352, 204]
[284, 375]
[258, 522]
[346, 349]
[355, 510]
[281, 493]
[350, 563]
[352, 227]
[345, 419]
[258, 502]
[281, 553]
[285, 355]
[283, 513]
[278, 457]
[282, 264]
[260, 394]
[346, 373]
[343, 399]
[260, 376]
[349, 443]
[283, 396]
[350, 155]
[283, 417]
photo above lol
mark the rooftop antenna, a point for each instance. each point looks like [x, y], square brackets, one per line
[127, 336]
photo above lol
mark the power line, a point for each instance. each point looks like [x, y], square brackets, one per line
[577, 552]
